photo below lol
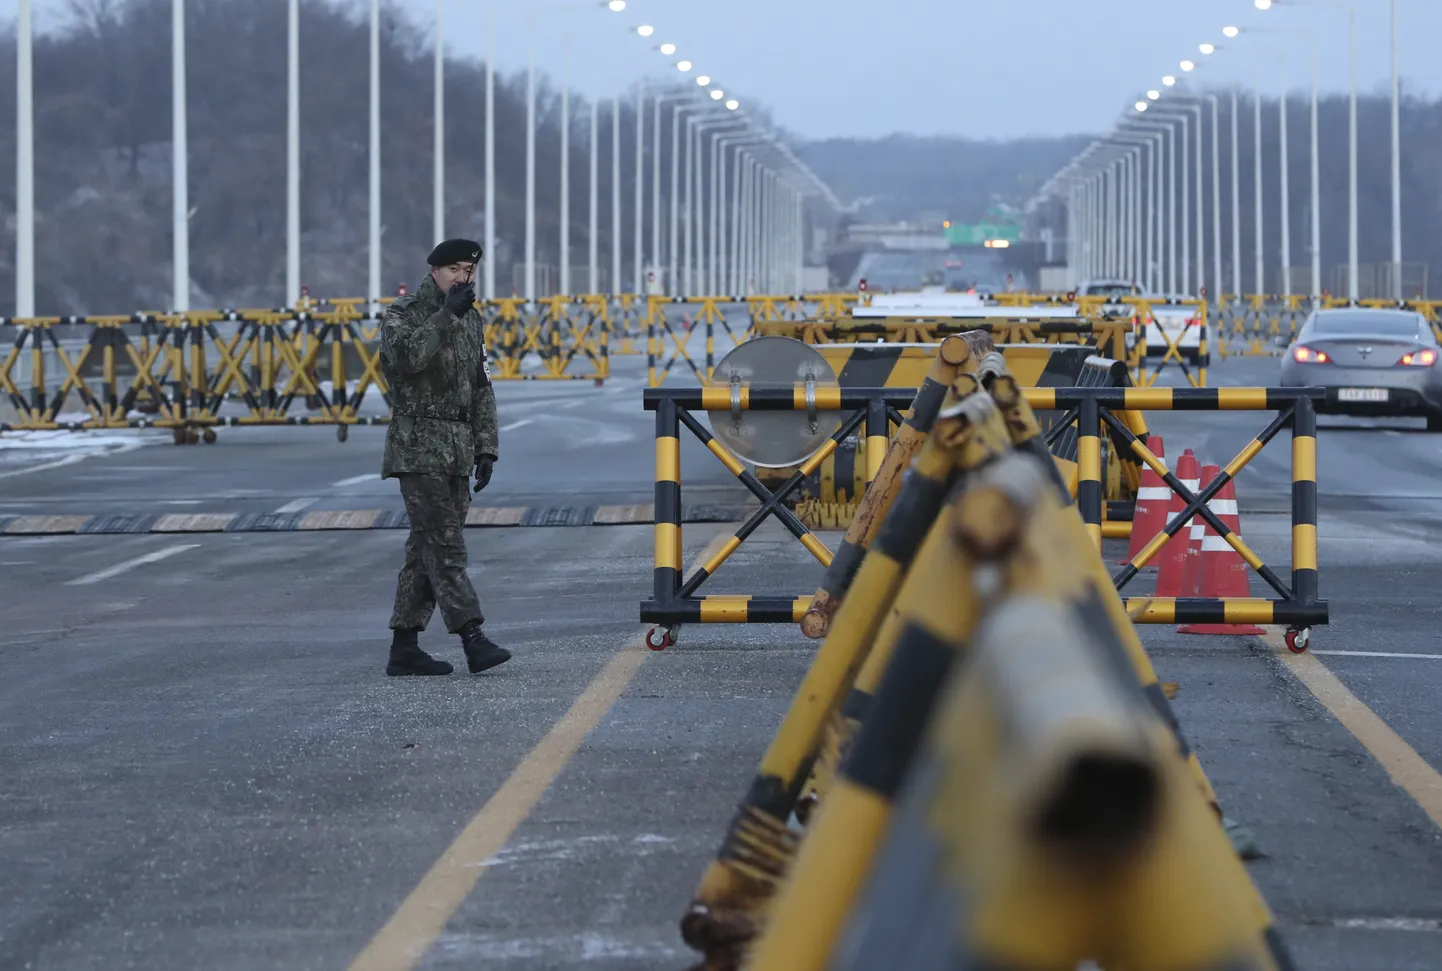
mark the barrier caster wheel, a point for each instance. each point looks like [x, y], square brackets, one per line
[1297, 640]
[660, 638]
[178, 435]
[342, 432]
[208, 436]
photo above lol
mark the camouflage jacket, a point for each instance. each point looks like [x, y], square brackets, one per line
[443, 407]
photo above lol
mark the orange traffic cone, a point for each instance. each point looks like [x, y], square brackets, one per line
[1192, 571]
[1223, 571]
[1173, 556]
[1153, 498]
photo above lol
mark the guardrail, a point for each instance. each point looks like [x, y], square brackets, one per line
[996, 774]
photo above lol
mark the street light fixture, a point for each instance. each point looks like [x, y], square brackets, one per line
[1154, 94]
[1352, 254]
[1141, 106]
[717, 94]
[1230, 31]
[683, 66]
[617, 5]
[645, 30]
[668, 49]
[703, 80]
[1188, 65]
[1207, 48]
[732, 105]
[1169, 81]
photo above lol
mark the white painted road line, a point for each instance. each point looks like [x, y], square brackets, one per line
[355, 480]
[516, 424]
[119, 568]
[70, 460]
[1424, 657]
[295, 505]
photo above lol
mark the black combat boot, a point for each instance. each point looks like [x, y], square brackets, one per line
[407, 658]
[481, 654]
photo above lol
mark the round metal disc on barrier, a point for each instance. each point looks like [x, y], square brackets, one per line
[773, 439]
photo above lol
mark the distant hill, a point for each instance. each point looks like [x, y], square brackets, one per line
[920, 179]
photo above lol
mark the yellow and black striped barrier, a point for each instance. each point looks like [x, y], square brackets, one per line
[740, 879]
[891, 457]
[1113, 338]
[184, 368]
[673, 600]
[1088, 408]
[1298, 607]
[831, 497]
[1007, 738]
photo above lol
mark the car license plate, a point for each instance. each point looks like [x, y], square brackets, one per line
[1362, 394]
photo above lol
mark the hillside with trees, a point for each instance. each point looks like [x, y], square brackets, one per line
[102, 112]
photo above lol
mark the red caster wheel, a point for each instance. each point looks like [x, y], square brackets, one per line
[659, 638]
[1297, 640]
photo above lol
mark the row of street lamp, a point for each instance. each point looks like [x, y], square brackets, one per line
[758, 244]
[747, 236]
[1114, 231]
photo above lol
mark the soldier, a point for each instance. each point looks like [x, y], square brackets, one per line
[443, 425]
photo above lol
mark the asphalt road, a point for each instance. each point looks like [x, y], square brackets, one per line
[205, 767]
[561, 442]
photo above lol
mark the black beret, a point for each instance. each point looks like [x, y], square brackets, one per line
[455, 251]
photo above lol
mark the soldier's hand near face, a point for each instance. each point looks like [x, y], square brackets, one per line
[460, 298]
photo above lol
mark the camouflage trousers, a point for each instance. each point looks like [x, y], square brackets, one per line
[434, 572]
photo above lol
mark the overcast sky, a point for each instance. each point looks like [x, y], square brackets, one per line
[982, 68]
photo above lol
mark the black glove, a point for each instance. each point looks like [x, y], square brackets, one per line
[483, 471]
[460, 298]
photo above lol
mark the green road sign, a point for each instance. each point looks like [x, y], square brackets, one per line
[976, 234]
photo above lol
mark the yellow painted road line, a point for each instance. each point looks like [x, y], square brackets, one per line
[403, 941]
[1408, 769]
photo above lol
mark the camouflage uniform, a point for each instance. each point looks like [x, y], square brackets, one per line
[443, 421]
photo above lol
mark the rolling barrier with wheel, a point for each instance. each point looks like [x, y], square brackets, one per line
[981, 719]
[1297, 606]
[1096, 420]
[673, 602]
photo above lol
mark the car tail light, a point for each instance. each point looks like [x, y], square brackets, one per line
[1303, 354]
[1423, 358]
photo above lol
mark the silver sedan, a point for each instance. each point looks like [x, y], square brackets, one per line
[1372, 362]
